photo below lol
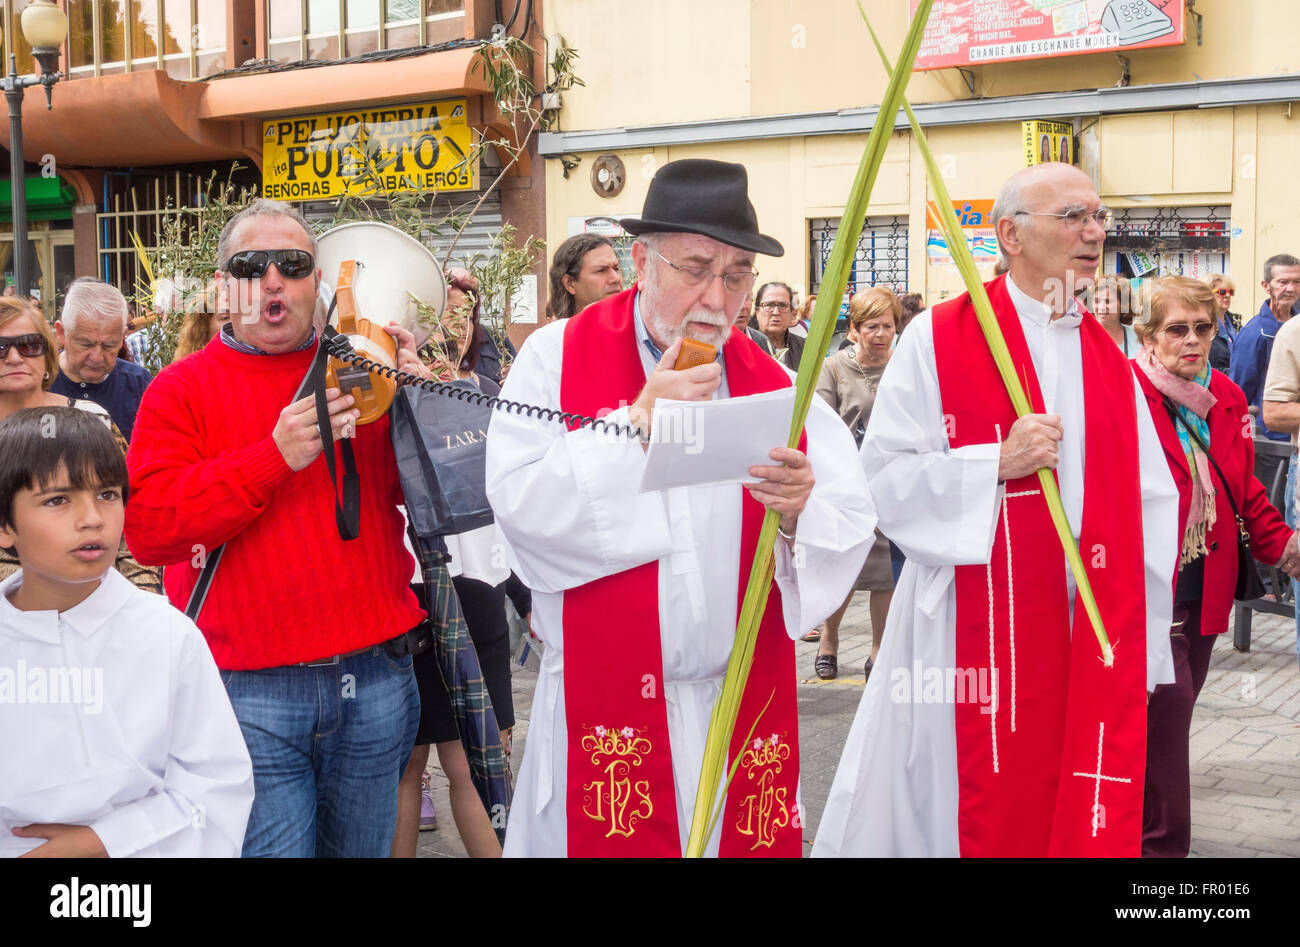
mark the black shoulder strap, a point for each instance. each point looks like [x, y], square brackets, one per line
[347, 508]
[199, 594]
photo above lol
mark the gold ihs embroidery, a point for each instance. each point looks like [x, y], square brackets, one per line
[764, 811]
[616, 797]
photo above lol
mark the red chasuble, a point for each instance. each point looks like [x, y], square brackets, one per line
[1055, 765]
[621, 795]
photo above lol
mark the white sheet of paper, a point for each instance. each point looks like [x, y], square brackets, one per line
[523, 304]
[698, 442]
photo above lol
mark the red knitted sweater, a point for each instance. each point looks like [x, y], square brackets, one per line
[205, 471]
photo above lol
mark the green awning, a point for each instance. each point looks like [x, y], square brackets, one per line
[47, 199]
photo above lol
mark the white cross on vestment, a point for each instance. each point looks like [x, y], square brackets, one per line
[1097, 777]
[1011, 618]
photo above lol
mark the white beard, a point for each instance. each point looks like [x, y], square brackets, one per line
[714, 317]
[664, 335]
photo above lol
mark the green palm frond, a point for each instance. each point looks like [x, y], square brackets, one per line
[835, 279]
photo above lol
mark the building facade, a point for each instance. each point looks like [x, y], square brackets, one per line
[1190, 143]
[160, 95]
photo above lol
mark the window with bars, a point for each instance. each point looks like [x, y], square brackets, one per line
[1167, 241]
[880, 259]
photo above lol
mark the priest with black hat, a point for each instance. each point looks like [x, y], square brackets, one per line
[636, 594]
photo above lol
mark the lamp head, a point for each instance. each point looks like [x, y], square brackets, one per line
[48, 58]
[45, 27]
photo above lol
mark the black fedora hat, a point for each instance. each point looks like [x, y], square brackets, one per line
[699, 195]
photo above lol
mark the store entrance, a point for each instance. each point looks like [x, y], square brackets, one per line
[50, 263]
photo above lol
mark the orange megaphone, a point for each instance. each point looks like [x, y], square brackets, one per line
[372, 392]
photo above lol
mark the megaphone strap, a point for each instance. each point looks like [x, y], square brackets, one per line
[347, 507]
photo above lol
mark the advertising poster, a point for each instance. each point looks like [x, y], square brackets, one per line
[976, 220]
[413, 147]
[1048, 141]
[973, 32]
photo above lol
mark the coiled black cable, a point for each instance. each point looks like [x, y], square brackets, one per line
[340, 348]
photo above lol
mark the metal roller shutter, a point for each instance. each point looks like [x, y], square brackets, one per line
[477, 239]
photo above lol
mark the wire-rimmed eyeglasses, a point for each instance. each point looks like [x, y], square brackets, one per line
[1078, 218]
[737, 282]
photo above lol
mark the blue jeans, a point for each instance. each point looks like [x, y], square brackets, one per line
[1289, 515]
[328, 746]
[896, 560]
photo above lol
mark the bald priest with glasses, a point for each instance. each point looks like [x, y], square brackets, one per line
[990, 725]
[636, 594]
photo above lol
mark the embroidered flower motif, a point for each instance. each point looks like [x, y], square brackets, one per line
[600, 731]
[628, 732]
[775, 739]
[758, 743]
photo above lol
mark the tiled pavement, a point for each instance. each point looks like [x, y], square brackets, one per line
[1245, 741]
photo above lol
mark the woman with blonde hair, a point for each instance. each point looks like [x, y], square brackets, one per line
[848, 382]
[1224, 288]
[200, 325]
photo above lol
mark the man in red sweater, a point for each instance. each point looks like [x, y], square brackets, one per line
[309, 631]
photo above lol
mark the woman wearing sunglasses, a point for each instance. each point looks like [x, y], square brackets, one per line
[29, 362]
[1224, 289]
[1203, 424]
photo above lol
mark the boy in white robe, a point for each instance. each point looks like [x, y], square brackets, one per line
[116, 735]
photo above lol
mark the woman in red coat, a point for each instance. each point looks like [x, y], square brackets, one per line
[1194, 406]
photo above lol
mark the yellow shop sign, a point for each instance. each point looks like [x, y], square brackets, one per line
[410, 147]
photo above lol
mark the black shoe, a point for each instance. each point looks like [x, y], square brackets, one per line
[827, 666]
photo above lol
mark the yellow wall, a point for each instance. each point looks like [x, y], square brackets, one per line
[731, 58]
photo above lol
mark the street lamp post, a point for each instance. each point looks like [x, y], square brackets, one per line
[44, 26]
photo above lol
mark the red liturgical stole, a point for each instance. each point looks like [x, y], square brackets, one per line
[621, 795]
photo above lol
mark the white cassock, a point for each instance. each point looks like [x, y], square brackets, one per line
[569, 507]
[112, 715]
[895, 792]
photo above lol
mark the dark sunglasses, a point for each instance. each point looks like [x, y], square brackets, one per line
[1179, 330]
[253, 264]
[1225, 292]
[28, 346]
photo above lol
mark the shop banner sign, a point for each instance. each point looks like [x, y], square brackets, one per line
[415, 147]
[973, 32]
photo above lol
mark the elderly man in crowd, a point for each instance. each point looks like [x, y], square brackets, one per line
[743, 318]
[311, 633]
[636, 594]
[585, 270]
[1281, 399]
[990, 725]
[1253, 346]
[90, 332]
